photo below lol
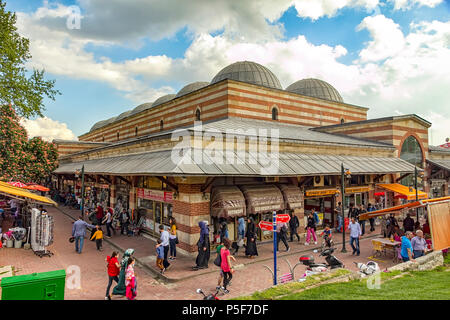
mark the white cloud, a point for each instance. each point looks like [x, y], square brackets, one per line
[320, 8]
[408, 4]
[47, 129]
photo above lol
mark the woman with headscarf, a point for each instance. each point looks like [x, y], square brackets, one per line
[223, 231]
[241, 234]
[251, 250]
[203, 247]
[121, 288]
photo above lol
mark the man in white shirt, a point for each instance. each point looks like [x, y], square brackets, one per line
[355, 235]
[165, 244]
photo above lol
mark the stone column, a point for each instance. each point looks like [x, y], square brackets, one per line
[112, 193]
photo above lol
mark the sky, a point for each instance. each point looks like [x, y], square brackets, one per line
[108, 56]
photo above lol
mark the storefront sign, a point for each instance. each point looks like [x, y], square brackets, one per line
[438, 183]
[155, 195]
[324, 192]
[102, 186]
[357, 189]
[265, 225]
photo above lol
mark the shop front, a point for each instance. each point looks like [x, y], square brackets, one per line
[357, 195]
[122, 195]
[323, 201]
[155, 208]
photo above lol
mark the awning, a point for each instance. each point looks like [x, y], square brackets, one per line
[401, 208]
[227, 201]
[22, 194]
[293, 196]
[243, 164]
[321, 192]
[409, 193]
[263, 198]
[441, 163]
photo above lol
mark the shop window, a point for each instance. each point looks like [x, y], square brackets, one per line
[136, 131]
[274, 113]
[412, 153]
[161, 125]
[197, 115]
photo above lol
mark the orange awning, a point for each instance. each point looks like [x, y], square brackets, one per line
[410, 193]
[21, 194]
[400, 208]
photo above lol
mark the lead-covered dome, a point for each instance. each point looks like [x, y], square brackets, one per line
[141, 107]
[191, 87]
[248, 71]
[123, 115]
[163, 99]
[315, 88]
[98, 125]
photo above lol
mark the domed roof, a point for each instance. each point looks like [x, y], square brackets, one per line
[163, 99]
[141, 107]
[110, 120]
[123, 115]
[315, 88]
[98, 125]
[191, 87]
[248, 71]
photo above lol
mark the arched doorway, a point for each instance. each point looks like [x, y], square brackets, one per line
[412, 153]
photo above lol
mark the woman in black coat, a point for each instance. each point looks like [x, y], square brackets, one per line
[203, 247]
[250, 249]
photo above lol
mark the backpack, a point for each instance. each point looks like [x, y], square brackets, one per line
[316, 218]
[218, 260]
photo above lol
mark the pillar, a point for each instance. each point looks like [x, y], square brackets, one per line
[112, 193]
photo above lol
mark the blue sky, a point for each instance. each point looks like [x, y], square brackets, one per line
[120, 58]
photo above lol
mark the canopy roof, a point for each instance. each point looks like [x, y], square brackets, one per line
[227, 201]
[21, 194]
[410, 193]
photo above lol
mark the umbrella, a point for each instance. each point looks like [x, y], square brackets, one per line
[17, 184]
[37, 187]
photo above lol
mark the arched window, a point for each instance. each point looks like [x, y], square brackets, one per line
[274, 113]
[136, 131]
[412, 153]
[342, 121]
[161, 125]
[103, 138]
[197, 115]
[117, 135]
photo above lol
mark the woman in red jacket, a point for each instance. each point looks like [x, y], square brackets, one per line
[113, 272]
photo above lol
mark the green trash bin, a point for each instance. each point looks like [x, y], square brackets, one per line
[35, 286]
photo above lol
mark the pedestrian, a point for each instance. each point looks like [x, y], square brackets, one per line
[79, 232]
[220, 279]
[362, 223]
[160, 256]
[223, 231]
[355, 235]
[282, 235]
[392, 225]
[203, 246]
[419, 245]
[165, 244]
[293, 225]
[108, 221]
[99, 214]
[120, 289]
[408, 223]
[241, 235]
[251, 250]
[310, 229]
[316, 219]
[226, 265]
[371, 208]
[351, 211]
[407, 250]
[173, 240]
[113, 271]
[384, 225]
[124, 222]
[130, 280]
[338, 212]
[98, 237]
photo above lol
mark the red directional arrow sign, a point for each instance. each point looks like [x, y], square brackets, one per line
[283, 218]
[266, 225]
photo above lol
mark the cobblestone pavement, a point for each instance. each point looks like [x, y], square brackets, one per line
[181, 281]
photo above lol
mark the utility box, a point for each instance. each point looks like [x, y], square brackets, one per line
[35, 286]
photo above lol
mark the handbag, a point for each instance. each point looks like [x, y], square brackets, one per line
[218, 260]
[176, 240]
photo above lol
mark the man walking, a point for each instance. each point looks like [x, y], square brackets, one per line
[79, 232]
[293, 225]
[355, 235]
[408, 223]
[165, 244]
[108, 220]
[419, 245]
[371, 208]
[362, 222]
[282, 235]
[407, 250]
[338, 211]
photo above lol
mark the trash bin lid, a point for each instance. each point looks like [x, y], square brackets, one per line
[32, 277]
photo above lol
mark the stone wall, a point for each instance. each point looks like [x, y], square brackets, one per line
[427, 262]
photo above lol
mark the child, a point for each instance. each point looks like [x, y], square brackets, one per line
[326, 233]
[160, 256]
[98, 237]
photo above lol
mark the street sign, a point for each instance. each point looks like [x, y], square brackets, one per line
[283, 218]
[265, 225]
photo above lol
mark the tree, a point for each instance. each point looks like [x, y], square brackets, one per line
[22, 159]
[26, 94]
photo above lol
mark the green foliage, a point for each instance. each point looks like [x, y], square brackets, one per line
[16, 88]
[22, 159]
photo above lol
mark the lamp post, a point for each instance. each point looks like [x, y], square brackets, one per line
[344, 173]
[415, 186]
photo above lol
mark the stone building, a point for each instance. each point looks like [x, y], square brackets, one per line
[240, 145]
